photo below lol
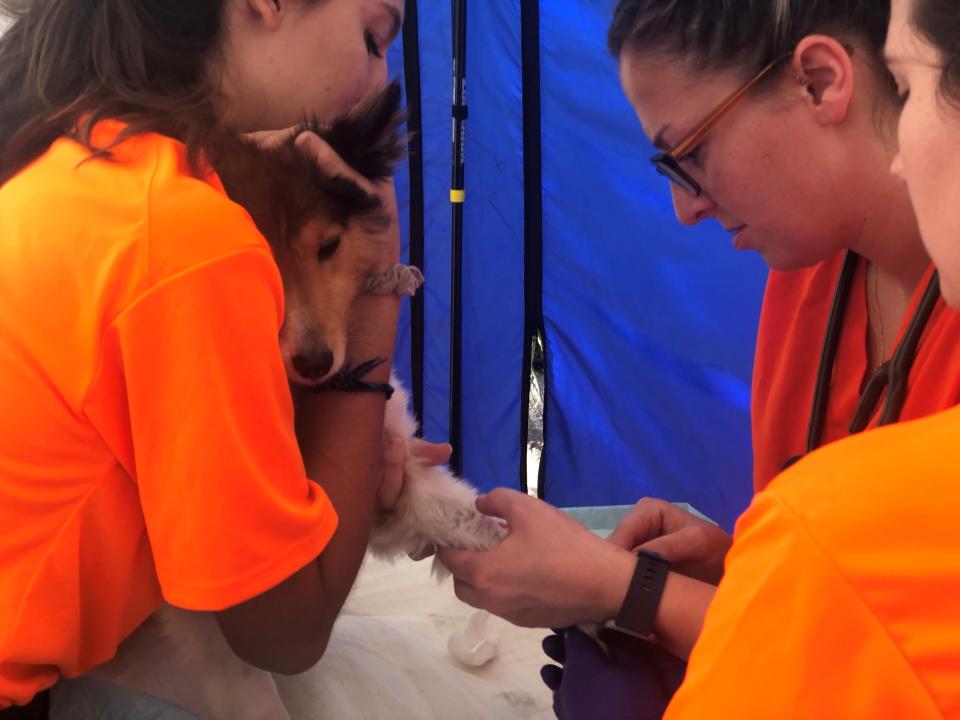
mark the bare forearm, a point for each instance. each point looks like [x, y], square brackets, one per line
[341, 441]
[341, 437]
[342, 450]
[681, 612]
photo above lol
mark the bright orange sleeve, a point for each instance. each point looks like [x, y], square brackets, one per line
[228, 508]
[787, 637]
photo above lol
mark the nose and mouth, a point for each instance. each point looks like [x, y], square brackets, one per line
[308, 357]
[313, 366]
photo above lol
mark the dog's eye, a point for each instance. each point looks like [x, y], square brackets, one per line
[329, 250]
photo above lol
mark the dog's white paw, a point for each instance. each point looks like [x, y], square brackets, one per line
[469, 529]
[435, 510]
[463, 527]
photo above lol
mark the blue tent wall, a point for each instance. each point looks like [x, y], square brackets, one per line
[650, 326]
[493, 237]
[493, 247]
[434, 45]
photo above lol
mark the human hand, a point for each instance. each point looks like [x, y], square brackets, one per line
[270, 139]
[633, 680]
[395, 451]
[550, 571]
[694, 547]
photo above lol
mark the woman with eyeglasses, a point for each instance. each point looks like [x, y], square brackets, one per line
[776, 119]
[778, 123]
[840, 598]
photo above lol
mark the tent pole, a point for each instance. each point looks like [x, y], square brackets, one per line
[411, 72]
[457, 197]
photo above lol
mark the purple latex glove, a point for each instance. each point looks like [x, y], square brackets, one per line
[635, 682]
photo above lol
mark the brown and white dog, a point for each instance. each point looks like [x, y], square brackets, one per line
[326, 234]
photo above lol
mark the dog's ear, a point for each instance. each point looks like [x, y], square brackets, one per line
[344, 201]
[369, 138]
[282, 188]
[263, 182]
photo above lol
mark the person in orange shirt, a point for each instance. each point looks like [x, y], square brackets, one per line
[148, 445]
[776, 120]
[839, 598]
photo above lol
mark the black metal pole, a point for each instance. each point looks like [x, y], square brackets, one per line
[411, 71]
[457, 198]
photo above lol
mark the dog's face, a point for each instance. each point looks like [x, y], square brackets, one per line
[327, 234]
[324, 268]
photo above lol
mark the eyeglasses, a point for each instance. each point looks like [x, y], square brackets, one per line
[668, 163]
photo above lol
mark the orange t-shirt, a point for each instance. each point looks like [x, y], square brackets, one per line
[147, 441]
[793, 323]
[841, 597]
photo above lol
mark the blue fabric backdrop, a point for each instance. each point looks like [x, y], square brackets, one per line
[650, 326]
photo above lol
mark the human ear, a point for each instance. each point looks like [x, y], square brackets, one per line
[267, 12]
[825, 66]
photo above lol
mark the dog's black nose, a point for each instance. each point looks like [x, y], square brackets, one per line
[313, 366]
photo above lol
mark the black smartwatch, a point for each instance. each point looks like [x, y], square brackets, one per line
[643, 596]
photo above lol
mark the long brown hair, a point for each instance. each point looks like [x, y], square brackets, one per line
[66, 64]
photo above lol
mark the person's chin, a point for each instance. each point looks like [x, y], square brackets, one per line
[781, 261]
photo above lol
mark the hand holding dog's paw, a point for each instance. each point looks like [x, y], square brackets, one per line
[550, 571]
